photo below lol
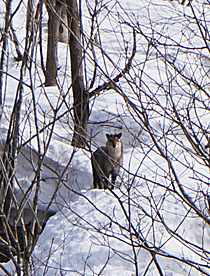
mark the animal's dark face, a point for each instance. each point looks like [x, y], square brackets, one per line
[114, 140]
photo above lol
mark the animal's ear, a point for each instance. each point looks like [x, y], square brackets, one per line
[108, 136]
[119, 135]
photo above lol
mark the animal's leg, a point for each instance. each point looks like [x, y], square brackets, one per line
[106, 182]
[114, 176]
[96, 178]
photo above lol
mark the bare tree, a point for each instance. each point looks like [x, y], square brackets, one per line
[81, 97]
[81, 100]
[54, 9]
[4, 45]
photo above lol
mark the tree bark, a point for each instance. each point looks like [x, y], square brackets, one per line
[81, 99]
[54, 9]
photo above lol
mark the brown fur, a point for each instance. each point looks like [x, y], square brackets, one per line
[106, 161]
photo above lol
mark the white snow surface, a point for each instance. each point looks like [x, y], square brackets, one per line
[88, 235]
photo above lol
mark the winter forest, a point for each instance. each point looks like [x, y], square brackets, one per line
[71, 72]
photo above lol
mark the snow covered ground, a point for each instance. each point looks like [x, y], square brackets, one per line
[97, 232]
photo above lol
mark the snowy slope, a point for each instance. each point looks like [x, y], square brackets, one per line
[90, 233]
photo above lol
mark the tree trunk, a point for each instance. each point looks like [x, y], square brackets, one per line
[54, 9]
[81, 99]
[4, 39]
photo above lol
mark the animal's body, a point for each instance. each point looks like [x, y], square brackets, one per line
[106, 162]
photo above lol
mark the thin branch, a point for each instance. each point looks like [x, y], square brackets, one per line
[109, 85]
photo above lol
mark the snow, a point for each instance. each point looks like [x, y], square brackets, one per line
[89, 234]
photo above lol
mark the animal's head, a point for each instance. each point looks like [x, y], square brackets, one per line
[113, 140]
